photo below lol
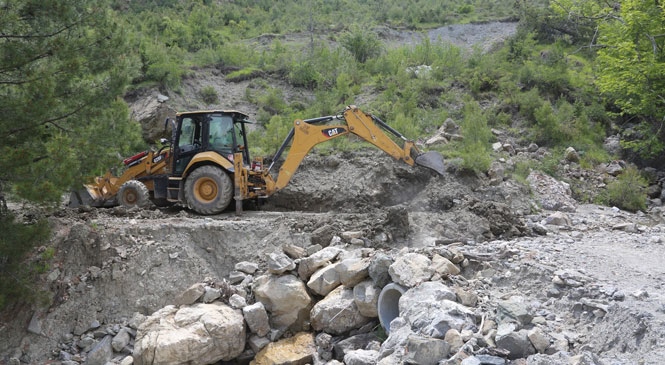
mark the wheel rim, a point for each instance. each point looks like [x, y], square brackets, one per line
[205, 189]
[130, 197]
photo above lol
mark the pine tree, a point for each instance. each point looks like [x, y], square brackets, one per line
[62, 70]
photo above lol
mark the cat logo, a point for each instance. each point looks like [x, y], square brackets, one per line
[332, 132]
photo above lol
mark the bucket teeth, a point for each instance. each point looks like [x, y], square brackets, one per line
[432, 160]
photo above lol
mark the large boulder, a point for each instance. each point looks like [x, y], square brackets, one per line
[257, 318]
[150, 111]
[411, 269]
[430, 309]
[379, 269]
[324, 280]
[425, 350]
[279, 263]
[319, 259]
[352, 271]
[101, 353]
[517, 343]
[361, 357]
[366, 296]
[296, 350]
[551, 193]
[200, 334]
[286, 298]
[337, 313]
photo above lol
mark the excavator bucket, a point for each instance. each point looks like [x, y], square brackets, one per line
[432, 160]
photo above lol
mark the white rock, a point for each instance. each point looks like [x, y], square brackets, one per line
[337, 313]
[411, 269]
[285, 297]
[198, 334]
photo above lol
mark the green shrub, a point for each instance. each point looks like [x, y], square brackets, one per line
[272, 101]
[522, 170]
[466, 9]
[161, 64]
[304, 74]
[547, 131]
[628, 191]
[551, 161]
[527, 103]
[244, 74]
[276, 130]
[449, 62]
[476, 157]
[645, 140]
[474, 149]
[362, 44]
[521, 46]
[209, 95]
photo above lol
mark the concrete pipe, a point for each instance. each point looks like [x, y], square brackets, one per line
[388, 305]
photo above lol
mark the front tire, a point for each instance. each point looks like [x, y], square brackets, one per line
[208, 190]
[133, 193]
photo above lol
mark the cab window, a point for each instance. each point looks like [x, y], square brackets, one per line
[221, 132]
[189, 132]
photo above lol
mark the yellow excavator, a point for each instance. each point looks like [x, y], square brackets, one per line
[206, 164]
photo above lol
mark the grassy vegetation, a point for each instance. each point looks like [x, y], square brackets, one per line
[627, 192]
[539, 84]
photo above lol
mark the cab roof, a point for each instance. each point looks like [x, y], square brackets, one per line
[236, 113]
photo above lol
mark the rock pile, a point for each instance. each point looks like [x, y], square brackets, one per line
[324, 308]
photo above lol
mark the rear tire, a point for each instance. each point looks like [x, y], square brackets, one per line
[208, 190]
[133, 193]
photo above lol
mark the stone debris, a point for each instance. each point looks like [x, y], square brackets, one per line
[277, 317]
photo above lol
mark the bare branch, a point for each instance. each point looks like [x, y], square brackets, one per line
[59, 127]
[593, 39]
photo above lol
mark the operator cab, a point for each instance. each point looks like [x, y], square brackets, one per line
[221, 131]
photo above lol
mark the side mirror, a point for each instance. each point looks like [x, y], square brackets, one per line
[164, 141]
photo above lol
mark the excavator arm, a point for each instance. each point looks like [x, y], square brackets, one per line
[308, 133]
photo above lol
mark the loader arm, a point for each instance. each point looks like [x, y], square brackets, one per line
[104, 188]
[306, 134]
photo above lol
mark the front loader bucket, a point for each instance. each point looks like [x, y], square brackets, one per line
[432, 160]
[84, 197]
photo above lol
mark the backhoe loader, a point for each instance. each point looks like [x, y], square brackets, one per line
[207, 164]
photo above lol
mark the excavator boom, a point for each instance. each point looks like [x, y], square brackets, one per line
[308, 133]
